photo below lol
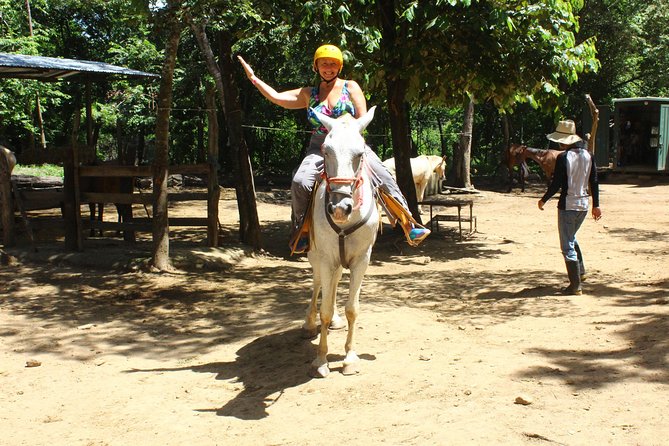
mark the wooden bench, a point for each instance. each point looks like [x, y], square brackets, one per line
[437, 215]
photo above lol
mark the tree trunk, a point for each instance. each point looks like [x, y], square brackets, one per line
[442, 147]
[466, 143]
[161, 230]
[594, 113]
[228, 95]
[38, 105]
[249, 230]
[396, 88]
[507, 136]
[201, 153]
[402, 142]
[459, 174]
[453, 177]
[214, 190]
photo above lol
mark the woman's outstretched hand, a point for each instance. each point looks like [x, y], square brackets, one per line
[247, 67]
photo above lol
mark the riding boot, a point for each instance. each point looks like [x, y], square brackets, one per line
[581, 269]
[581, 266]
[574, 274]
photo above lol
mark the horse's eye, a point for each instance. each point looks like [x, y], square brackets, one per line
[326, 151]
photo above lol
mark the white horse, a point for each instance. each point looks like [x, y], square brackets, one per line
[345, 224]
[423, 168]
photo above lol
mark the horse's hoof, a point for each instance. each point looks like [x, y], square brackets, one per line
[351, 369]
[309, 333]
[351, 364]
[337, 323]
[319, 372]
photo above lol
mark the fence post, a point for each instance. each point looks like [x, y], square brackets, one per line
[71, 209]
[7, 210]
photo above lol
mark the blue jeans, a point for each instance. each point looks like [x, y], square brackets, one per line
[568, 224]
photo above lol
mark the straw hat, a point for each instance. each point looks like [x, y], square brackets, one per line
[565, 133]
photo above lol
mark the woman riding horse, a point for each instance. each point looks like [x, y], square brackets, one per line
[333, 97]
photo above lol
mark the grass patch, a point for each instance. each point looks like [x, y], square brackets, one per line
[44, 170]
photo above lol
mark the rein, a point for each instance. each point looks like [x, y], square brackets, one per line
[343, 233]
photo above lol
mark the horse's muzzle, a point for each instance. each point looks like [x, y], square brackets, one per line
[340, 206]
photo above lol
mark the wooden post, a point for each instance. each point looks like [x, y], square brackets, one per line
[214, 191]
[89, 115]
[71, 204]
[594, 112]
[7, 209]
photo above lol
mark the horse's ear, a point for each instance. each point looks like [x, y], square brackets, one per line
[363, 121]
[327, 121]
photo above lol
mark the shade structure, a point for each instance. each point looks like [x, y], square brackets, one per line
[51, 69]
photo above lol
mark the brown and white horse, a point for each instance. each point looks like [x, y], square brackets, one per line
[514, 156]
[517, 155]
[545, 158]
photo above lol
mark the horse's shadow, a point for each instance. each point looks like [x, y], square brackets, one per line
[265, 368]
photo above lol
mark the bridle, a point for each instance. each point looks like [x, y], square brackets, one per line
[355, 183]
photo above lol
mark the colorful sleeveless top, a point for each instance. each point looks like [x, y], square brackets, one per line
[344, 105]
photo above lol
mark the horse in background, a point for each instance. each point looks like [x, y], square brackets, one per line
[514, 156]
[345, 224]
[545, 158]
[423, 168]
[517, 154]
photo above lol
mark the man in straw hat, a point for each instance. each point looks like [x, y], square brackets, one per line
[574, 169]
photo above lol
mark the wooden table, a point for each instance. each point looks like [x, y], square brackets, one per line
[437, 215]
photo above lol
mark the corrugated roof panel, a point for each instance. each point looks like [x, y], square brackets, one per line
[641, 99]
[54, 68]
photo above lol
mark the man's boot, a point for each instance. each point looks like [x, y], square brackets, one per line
[574, 273]
[581, 266]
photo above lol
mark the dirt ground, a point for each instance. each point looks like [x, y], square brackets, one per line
[451, 334]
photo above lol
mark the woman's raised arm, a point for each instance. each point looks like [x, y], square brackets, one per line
[291, 99]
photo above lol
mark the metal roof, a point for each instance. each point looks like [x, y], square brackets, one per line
[641, 99]
[49, 69]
